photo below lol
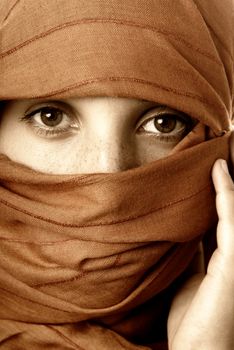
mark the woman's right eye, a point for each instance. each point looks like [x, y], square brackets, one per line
[50, 121]
[49, 116]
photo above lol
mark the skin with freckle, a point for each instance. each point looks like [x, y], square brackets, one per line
[99, 134]
[115, 116]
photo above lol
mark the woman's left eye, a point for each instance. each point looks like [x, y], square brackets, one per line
[50, 121]
[166, 123]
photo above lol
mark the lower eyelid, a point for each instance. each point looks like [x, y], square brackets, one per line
[46, 131]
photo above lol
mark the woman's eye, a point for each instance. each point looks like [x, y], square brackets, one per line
[50, 116]
[170, 125]
[50, 121]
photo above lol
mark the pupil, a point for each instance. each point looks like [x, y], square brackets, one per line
[165, 124]
[51, 117]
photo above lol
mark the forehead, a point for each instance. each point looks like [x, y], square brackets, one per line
[125, 48]
[121, 103]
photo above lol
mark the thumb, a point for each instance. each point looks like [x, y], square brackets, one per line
[208, 322]
[224, 188]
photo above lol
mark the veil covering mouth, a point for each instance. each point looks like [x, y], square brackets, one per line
[92, 261]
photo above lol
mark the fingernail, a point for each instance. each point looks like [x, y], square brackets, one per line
[224, 166]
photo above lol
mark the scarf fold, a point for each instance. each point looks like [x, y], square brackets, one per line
[69, 265]
[91, 261]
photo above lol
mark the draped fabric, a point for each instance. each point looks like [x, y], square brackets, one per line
[91, 261]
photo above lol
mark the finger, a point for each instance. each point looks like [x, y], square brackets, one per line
[224, 187]
[232, 152]
[221, 176]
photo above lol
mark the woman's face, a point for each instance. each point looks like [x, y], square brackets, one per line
[89, 135]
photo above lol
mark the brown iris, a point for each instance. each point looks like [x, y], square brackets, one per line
[51, 116]
[165, 124]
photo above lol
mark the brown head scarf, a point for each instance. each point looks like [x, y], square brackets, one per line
[89, 261]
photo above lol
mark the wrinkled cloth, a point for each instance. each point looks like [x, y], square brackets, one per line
[87, 261]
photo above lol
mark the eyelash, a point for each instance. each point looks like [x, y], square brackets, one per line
[162, 112]
[53, 131]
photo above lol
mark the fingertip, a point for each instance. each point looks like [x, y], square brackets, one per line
[223, 165]
[220, 165]
[221, 176]
[218, 173]
[218, 168]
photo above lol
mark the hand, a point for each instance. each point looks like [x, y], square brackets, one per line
[202, 313]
